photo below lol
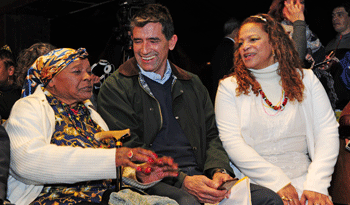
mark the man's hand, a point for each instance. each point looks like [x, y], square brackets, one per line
[219, 178]
[204, 189]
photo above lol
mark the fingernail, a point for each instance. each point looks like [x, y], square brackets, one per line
[150, 160]
[139, 169]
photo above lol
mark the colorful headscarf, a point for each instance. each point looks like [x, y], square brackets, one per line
[49, 65]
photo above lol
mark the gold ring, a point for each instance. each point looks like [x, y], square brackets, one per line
[284, 198]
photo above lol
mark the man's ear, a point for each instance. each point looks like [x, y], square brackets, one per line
[172, 42]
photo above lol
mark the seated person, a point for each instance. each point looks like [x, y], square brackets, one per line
[56, 157]
[169, 111]
[274, 117]
[9, 88]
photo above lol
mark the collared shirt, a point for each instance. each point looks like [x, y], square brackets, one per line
[156, 77]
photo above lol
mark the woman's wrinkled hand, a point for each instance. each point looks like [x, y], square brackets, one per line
[315, 198]
[289, 195]
[126, 156]
[157, 170]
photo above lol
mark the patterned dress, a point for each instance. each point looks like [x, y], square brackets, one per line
[74, 127]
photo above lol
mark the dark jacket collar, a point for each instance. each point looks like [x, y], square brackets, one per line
[130, 68]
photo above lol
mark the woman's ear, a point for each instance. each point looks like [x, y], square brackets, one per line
[52, 83]
[11, 70]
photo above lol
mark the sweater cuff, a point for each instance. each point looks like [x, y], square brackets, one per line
[180, 179]
[279, 184]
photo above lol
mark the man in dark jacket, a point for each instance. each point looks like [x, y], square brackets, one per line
[222, 61]
[169, 111]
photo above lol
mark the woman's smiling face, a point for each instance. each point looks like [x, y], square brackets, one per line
[254, 46]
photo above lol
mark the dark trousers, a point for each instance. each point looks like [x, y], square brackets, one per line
[260, 195]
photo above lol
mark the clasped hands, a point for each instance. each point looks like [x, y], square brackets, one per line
[203, 188]
[289, 196]
[155, 168]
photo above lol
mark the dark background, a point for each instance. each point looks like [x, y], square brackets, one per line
[92, 24]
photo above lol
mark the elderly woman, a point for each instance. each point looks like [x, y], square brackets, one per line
[55, 155]
[274, 118]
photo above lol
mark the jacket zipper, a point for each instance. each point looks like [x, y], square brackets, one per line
[160, 110]
[173, 83]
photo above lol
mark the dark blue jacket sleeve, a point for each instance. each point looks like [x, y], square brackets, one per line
[345, 76]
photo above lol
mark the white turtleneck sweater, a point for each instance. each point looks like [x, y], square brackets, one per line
[276, 150]
[283, 146]
[270, 82]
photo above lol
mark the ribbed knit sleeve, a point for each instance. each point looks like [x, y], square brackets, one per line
[35, 161]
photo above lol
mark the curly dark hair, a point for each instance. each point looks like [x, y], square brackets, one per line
[27, 57]
[290, 65]
[276, 10]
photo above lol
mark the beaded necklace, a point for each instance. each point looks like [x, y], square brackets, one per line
[267, 103]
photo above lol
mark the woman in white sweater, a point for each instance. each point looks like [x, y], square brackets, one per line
[274, 118]
[56, 157]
